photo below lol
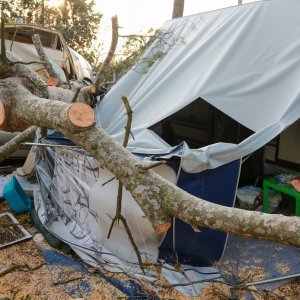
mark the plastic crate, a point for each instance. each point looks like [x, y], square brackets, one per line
[16, 197]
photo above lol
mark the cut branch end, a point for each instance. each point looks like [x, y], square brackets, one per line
[81, 115]
[93, 89]
[52, 81]
[2, 114]
[163, 228]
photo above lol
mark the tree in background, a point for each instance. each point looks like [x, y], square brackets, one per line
[178, 8]
[75, 19]
[79, 24]
[29, 10]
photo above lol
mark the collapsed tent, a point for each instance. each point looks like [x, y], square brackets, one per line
[244, 61]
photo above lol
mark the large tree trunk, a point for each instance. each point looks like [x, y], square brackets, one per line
[178, 8]
[159, 199]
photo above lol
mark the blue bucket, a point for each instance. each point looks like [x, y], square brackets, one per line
[16, 197]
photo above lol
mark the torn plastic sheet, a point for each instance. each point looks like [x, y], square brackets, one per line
[66, 207]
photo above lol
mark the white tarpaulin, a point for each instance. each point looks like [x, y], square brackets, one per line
[83, 201]
[58, 58]
[244, 60]
[77, 201]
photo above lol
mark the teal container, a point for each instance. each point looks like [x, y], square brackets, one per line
[16, 197]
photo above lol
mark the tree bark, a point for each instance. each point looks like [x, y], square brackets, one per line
[60, 94]
[53, 76]
[110, 54]
[159, 199]
[178, 8]
[10, 147]
[21, 109]
[34, 81]
[240, 2]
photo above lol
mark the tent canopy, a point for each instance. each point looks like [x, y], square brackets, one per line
[243, 60]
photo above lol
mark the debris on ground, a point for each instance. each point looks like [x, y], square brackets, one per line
[24, 274]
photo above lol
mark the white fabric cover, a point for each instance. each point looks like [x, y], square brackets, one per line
[81, 207]
[58, 58]
[244, 60]
[82, 67]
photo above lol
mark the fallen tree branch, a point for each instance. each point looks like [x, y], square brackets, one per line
[28, 63]
[152, 165]
[110, 54]
[118, 209]
[10, 147]
[37, 84]
[86, 92]
[70, 280]
[24, 268]
[76, 95]
[170, 286]
[158, 198]
[67, 75]
[60, 94]
[136, 35]
[28, 109]
[108, 181]
[129, 113]
[118, 216]
[54, 79]
[21, 109]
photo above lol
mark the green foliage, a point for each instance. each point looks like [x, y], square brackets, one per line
[157, 43]
[79, 24]
[75, 19]
[131, 53]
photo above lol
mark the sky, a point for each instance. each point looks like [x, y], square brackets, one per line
[137, 16]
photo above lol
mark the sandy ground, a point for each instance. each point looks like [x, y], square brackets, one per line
[36, 284]
[25, 284]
